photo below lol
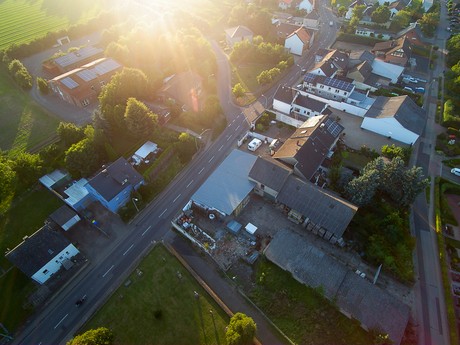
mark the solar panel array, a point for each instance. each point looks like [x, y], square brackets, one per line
[338, 84]
[69, 82]
[333, 127]
[77, 56]
[106, 67]
[309, 77]
[87, 75]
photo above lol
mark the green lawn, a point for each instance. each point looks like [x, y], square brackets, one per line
[24, 124]
[302, 313]
[247, 75]
[132, 312]
[22, 21]
[355, 160]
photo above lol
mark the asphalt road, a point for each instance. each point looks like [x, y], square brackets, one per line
[58, 320]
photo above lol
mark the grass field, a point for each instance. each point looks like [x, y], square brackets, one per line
[302, 313]
[247, 75]
[159, 307]
[21, 21]
[24, 124]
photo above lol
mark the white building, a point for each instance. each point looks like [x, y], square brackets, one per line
[330, 88]
[398, 118]
[306, 5]
[299, 41]
[42, 254]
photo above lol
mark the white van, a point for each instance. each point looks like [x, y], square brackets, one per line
[254, 144]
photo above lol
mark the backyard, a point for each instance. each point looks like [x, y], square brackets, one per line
[159, 307]
[25, 125]
[301, 312]
[22, 21]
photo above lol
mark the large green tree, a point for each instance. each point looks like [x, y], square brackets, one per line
[381, 14]
[99, 336]
[7, 184]
[140, 121]
[241, 330]
[82, 158]
[28, 168]
[70, 133]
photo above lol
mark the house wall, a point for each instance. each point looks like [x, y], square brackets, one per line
[368, 33]
[348, 108]
[389, 127]
[306, 5]
[289, 120]
[305, 111]
[264, 191]
[319, 71]
[118, 201]
[281, 106]
[44, 273]
[356, 76]
[294, 44]
[363, 86]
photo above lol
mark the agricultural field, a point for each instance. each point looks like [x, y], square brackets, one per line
[21, 21]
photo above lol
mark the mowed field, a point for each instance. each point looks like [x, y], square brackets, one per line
[21, 20]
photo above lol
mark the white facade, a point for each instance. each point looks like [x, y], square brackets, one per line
[294, 44]
[371, 33]
[306, 5]
[44, 273]
[343, 106]
[284, 5]
[319, 71]
[291, 121]
[328, 91]
[389, 127]
[387, 70]
[281, 106]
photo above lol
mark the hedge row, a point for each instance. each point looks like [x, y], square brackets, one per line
[351, 38]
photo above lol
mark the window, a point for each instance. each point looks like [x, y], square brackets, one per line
[45, 272]
[85, 102]
[262, 187]
[321, 86]
[308, 113]
[102, 83]
[345, 93]
[60, 258]
[337, 91]
[67, 252]
[329, 89]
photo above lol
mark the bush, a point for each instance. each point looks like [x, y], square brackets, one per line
[351, 38]
[20, 74]
[43, 85]
[449, 119]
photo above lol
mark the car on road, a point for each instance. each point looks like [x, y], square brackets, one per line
[455, 171]
[331, 23]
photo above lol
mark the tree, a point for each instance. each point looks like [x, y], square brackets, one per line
[429, 22]
[381, 14]
[241, 330]
[7, 180]
[358, 11]
[28, 168]
[238, 90]
[20, 74]
[82, 159]
[342, 10]
[70, 133]
[140, 121]
[187, 146]
[392, 151]
[361, 190]
[43, 86]
[354, 22]
[99, 336]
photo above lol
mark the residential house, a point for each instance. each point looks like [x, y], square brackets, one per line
[373, 32]
[269, 177]
[299, 41]
[310, 144]
[283, 98]
[306, 5]
[42, 254]
[325, 68]
[397, 51]
[72, 60]
[330, 62]
[65, 217]
[285, 4]
[311, 20]
[231, 181]
[331, 88]
[183, 88]
[284, 29]
[382, 72]
[82, 86]
[414, 35]
[113, 186]
[144, 152]
[397, 6]
[306, 107]
[238, 34]
[363, 77]
[398, 118]
[355, 3]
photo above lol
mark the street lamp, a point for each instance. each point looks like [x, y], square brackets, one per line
[204, 131]
[197, 297]
[266, 100]
[134, 202]
[215, 329]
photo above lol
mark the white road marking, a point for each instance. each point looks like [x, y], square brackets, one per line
[221, 148]
[233, 121]
[200, 171]
[189, 184]
[127, 250]
[107, 271]
[237, 128]
[238, 116]
[57, 325]
[229, 137]
[146, 230]
[209, 161]
[162, 213]
[177, 197]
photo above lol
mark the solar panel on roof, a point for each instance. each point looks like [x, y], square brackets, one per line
[87, 75]
[69, 82]
[106, 67]
[338, 84]
[333, 127]
[309, 77]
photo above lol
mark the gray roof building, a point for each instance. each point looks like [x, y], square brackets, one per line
[369, 304]
[228, 185]
[324, 208]
[310, 103]
[403, 109]
[284, 94]
[37, 250]
[65, 217]
[270, 173]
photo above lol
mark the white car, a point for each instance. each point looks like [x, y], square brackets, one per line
[455, 171]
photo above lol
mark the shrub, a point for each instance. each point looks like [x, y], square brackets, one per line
[43, 85]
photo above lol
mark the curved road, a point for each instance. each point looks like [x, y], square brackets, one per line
[57, 322]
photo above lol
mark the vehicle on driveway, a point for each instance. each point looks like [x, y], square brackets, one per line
[409, 89]
[420, 89]
[455, 171]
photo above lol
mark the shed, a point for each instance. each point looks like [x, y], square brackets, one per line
[65, 217]
[234, 226]
[142, 153]
[250, 229]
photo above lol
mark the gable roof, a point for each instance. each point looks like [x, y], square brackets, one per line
[338, 58]
[284, 30]
[344, 84]
[239, 31]
[327, 66]
[115, 178]
[228, 185]
[403, 109]
[390, 46]
[365, 68]
[322, 207]
[284, 94]
[270, 173]
[62, 215]
[37, 250]
[310, 144]
[303, 35]
[309, 103]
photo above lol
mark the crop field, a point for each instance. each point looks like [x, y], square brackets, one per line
[21, 20]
